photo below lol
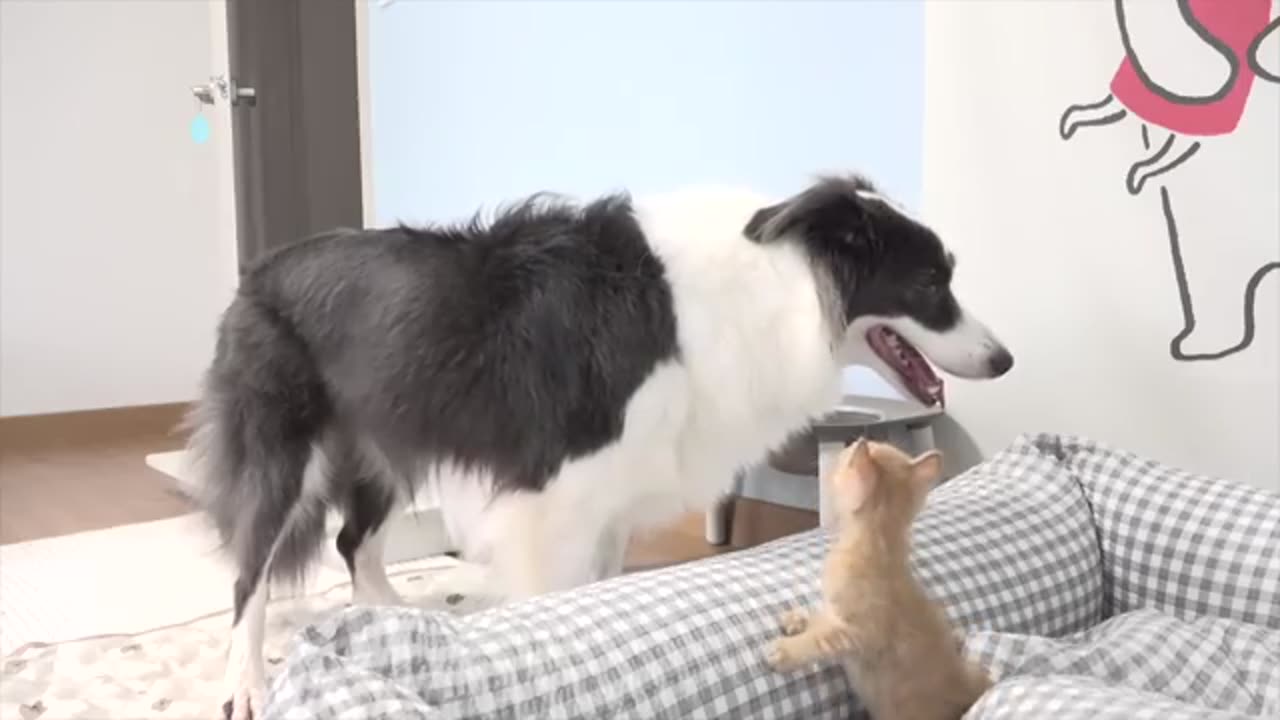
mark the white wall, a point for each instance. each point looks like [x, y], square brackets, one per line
[474, 103]
[117, 242]
[1073, 271]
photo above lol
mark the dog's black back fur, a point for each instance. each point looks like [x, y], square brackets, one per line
[514, 345]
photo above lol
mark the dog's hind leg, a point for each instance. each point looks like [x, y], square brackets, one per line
[262, 411]
[370, 508]
[283, 533]
[245, 677]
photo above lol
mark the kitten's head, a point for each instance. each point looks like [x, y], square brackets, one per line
[879, 483]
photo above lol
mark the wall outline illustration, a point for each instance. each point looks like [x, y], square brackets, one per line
[1241, 35]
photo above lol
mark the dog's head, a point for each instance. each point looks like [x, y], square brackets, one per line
[889, 276]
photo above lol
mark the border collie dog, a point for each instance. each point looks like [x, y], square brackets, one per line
[556, 376]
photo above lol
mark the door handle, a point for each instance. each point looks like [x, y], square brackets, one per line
[220, 87]
[207, 93]
[243, 95]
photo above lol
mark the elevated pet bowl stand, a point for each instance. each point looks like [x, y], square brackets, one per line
[856, 417]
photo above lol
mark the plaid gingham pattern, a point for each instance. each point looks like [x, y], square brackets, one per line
[1178, 542]
[1007, 546]
[1194, 667]
[1080, 698]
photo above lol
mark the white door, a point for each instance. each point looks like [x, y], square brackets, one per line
[117, 243]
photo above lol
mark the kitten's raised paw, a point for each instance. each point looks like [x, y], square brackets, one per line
[777, 656]
[794, 621]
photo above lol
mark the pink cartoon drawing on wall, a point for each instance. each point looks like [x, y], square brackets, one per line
[1188, 70]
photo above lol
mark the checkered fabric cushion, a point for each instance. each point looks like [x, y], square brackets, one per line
[1171, 540]
[1081, 698]
[1195, 668]
[1008, 546]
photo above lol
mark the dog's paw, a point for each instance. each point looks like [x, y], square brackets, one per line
[794, 621]
[246, 703]
[245, 684]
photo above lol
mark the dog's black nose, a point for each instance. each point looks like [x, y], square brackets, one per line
[1000, 362]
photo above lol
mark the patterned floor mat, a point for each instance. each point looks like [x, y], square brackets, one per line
[176, 672]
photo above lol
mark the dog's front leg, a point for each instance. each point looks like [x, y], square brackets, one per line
[539, 543]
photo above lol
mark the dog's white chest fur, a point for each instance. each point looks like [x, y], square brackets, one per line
[754, 342]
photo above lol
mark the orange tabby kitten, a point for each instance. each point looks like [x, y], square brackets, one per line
[895, 643]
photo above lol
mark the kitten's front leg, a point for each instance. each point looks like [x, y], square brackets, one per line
[794, 621]
[821, 639]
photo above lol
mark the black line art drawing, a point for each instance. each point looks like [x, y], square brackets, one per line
[1241, 39]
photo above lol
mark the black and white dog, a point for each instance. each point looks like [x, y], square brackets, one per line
[556, 377]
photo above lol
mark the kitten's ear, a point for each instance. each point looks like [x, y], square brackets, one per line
[856, 475]
[858, 457]
[927, 468]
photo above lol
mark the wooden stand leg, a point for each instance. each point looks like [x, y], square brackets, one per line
[718, 526]
[719, 521]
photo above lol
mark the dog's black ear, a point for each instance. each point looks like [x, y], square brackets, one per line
[830, 213]
[770, 223]
[761, 227]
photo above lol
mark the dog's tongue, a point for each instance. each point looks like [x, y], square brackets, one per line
[924, 384]
[910, 365]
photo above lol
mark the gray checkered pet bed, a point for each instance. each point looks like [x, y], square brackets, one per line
[1092, 582]
[1182, 669]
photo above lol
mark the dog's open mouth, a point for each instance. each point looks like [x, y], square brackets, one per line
[910, 365]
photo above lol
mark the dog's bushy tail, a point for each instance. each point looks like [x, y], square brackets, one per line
[262, 410]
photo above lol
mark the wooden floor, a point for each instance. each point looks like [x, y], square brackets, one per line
[62, 474]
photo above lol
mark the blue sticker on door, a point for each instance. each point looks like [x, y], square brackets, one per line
[200, 130]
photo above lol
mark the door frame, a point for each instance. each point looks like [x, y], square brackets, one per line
[365, 98]
[297, 144]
